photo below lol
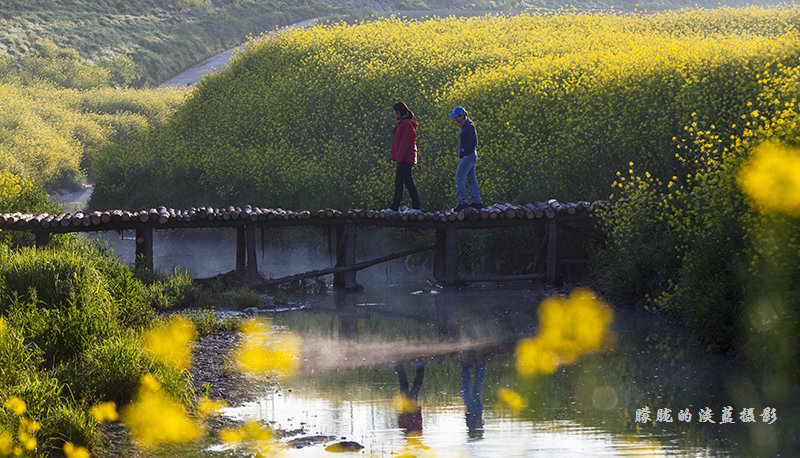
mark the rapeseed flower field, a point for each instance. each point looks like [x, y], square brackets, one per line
[561, 102]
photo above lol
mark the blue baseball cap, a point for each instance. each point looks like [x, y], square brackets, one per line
[458, 111]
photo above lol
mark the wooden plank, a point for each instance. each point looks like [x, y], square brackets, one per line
[42, 239]
[503, 278]
[345, 256]
[446, 256]
[252, 263]
[343, 269]
[144, 247]
[552, 252]
[241, 251]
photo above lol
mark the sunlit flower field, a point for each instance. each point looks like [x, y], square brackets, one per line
[561, 103]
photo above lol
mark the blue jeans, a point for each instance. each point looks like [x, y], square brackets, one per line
[465, 177]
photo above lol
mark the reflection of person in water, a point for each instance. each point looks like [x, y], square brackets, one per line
[471, 393]
[410, 417]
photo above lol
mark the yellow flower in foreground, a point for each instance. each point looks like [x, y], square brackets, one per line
[568, 327]
[232, 436]
[2, 325]
[6, 442]
[171, 343]
[75, 451]
[266, 352]
[206, 407]
[15, 405]
[513, 400]
[254, 435]
[153, 418]
[772, 178]
[105, 411]
[29, 427]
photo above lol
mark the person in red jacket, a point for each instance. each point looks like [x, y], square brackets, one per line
[404, 154]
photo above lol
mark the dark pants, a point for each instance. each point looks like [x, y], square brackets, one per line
[403, 176]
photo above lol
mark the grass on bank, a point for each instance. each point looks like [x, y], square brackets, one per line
[71, 324]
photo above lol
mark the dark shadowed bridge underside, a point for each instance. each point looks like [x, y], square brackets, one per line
[543, 217]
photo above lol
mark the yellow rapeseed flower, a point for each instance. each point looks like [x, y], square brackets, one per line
[266, 352]
[772, 178]
[206, 407]
[232, 436]
[153, 418]
[512, 399]
[6, 443]
[15, 404]
[105, 411]
[171, 343]
[253, 435]
[568, 327]
[75, 451]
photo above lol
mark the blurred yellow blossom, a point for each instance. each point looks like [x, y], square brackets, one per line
[172, 342]
[568, 327]
[6, 443]
[75, 451]
[15, 404]
[105, 411]
[256, 437]
[206, 407]
[512, 399]
[264, 351]
[232, 436]
[153, 418]
[772, 178]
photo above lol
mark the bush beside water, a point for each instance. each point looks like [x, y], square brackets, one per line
[70, 320]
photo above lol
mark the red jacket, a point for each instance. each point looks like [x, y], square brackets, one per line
[404, 142]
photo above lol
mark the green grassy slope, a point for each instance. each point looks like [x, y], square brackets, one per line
[162, 37]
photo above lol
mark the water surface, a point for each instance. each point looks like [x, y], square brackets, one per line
[356, 346]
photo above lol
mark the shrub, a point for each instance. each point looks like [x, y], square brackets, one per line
[719, 261]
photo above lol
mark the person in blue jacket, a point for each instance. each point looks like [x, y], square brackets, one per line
[468, 155]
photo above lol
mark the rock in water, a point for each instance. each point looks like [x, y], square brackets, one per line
[344, 446]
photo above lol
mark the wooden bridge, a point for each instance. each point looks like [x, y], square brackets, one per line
[545, 218]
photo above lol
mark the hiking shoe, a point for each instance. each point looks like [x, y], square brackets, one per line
[460, 207]
[477, 205]
[412, 211]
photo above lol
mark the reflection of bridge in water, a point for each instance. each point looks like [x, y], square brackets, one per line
[544, 218]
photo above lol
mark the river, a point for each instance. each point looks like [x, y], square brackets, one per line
[356, 343]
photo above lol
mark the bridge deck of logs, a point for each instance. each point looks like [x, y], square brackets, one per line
[547, 216]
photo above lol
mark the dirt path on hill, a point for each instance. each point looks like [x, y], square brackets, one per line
[192, 75]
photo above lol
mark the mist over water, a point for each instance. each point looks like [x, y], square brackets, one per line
[204, 253]
[356, 345]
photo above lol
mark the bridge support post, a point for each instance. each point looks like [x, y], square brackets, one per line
[445, 261]
[42, 239]
[552, 252]
[144, 247]
[252, 263]
[241, 251]
[345, 256]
